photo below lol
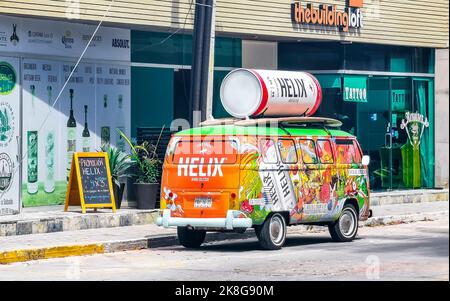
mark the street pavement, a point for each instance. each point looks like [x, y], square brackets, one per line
[413, 251]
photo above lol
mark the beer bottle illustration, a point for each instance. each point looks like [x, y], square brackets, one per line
[86, 135]
[71, 135]
[120, 142]
[14, 39]
[105, 130]
[32, 152]
[49, 185]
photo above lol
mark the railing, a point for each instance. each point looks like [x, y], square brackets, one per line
[155, 136]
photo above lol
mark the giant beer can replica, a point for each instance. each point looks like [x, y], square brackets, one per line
[249, 93]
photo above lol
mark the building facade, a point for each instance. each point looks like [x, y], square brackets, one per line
[383, 67]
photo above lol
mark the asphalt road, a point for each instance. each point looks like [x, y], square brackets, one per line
[417, 251]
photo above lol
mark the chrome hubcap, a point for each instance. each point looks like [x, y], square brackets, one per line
[276, 230]
[347, 223]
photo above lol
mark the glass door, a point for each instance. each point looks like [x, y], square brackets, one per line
[380, 131]
[374, 131]
[402, 173]
[419, 128]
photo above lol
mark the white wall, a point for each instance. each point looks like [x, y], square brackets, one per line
[442, 118]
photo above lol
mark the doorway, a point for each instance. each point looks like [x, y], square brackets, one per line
[386, 126]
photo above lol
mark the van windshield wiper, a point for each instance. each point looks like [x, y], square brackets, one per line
[327, 130]
[281, 126]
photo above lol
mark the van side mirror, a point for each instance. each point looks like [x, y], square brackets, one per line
[365, 160]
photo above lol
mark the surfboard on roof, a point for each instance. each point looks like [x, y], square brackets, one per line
[285, 121]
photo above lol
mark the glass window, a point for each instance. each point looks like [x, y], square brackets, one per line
[358, 154]
[308, 149]
[310, 56]
[347, 152]
[206, 151]
[325, 151]
[268, 151]
[288, 152]
[155, 47]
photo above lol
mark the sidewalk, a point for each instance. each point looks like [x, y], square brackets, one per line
[53, 219]
[108, 240]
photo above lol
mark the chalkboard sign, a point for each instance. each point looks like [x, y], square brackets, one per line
[90, 182]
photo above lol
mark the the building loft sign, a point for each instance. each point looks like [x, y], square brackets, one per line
[329, 15]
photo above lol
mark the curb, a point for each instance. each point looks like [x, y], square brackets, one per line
[409, 197]
[75, 223]
[172, 240]
[58, 221]
[404, 219]
[52, 252]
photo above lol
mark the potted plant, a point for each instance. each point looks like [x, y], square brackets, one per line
[148, 166]
[120, 164]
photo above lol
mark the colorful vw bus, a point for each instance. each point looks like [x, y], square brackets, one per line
[266, 174]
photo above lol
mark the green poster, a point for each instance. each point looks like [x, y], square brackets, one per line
[355, 88]
[7, 78]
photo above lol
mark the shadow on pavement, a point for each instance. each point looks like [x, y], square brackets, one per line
[252, 244]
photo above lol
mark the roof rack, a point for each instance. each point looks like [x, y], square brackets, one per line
[286, 121]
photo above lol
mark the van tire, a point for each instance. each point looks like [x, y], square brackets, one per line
[189, 238]
[258, 230]
[348, 218]
[272, 234]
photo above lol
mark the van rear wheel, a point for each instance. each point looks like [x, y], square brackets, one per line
[346, 227]
[272, 234]
[190, 238]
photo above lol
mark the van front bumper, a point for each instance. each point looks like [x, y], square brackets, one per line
[232, 221]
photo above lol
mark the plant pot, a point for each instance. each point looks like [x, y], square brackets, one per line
[118, 194]
[146, 195]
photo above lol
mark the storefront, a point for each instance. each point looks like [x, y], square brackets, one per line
[374, 59]
[42, 124]
[374, 90]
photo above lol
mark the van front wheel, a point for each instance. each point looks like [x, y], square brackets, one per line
[190, 238]
[346, 227]
[272, 233]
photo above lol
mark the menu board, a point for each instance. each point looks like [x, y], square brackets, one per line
[90, 184]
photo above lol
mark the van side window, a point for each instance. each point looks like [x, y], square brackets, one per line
[325, 151]
[308, 148]
[288, 152]
[347, 151]
[358, 154]
[268, 150]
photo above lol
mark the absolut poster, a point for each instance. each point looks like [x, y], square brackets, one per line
[94, 104]
[32, 36]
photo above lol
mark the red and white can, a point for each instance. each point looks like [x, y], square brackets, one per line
[249, 93]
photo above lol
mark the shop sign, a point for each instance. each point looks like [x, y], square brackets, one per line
[90, 184]
[48, 37]
[355, 88]
[328, 15]
[414, 124]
